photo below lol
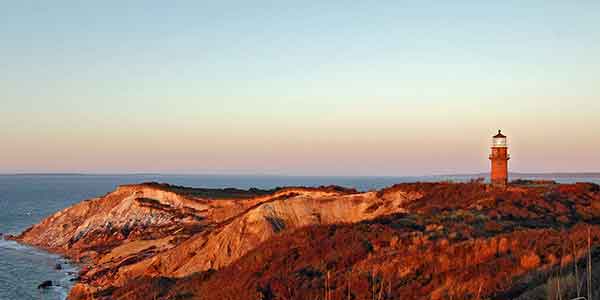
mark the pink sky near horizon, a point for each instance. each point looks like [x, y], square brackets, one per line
[374, 142]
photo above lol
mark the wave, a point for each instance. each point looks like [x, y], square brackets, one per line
[12, 245]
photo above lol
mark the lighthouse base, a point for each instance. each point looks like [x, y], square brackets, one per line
[500, 183]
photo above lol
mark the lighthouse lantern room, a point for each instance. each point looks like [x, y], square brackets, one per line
[499, 158]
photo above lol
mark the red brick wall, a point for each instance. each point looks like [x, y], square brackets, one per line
[499, 158]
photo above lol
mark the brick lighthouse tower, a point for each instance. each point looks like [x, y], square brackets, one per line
[499, 158]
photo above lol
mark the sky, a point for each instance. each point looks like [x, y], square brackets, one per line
[384, 88]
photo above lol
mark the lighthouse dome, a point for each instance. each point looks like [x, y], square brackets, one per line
[499, 140]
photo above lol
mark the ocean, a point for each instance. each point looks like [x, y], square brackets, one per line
[27, 199]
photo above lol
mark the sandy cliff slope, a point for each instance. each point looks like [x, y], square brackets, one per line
[159, 230]
[230, 240]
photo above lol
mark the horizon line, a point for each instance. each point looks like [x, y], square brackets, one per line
[474, 174]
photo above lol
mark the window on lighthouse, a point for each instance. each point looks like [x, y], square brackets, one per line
[499, 142]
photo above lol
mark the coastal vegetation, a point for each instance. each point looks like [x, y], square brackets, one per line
[445, 240]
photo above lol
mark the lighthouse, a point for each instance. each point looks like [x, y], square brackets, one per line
[499, 158]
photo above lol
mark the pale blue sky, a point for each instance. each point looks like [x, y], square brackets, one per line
[336, 88]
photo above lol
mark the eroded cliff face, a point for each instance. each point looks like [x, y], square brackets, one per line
[151, 230]
[228, 241]
[425, 240]
[95, 226]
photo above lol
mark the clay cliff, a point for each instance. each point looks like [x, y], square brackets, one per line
[409, 241]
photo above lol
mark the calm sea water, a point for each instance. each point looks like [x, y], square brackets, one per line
[27, 199]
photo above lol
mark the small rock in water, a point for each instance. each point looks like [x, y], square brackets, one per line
[46, 284]
[58, 267]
